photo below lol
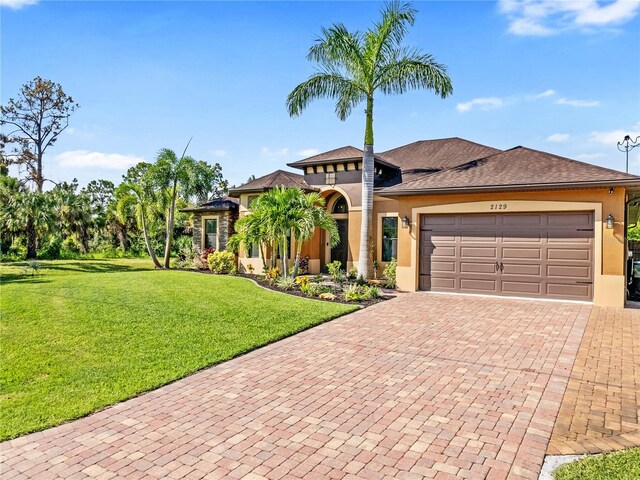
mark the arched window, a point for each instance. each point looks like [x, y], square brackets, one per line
[340, 206]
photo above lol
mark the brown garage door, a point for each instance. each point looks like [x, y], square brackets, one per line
[521, 254]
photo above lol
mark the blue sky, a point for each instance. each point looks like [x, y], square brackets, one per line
[562, 77]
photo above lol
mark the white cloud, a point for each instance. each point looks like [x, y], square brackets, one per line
[488, 103]
[558, 137]
[17, 4]
[87, 159]
[549, 17]
[612, 137]
[578, 103]
[309, 152]
[219, 153]
[546, 93]
[267, 152]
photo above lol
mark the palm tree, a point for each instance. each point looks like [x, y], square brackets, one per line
[355, 65]
[29, 213]
[186, 178]
[139, 198]
[278, 214]
[309, 214]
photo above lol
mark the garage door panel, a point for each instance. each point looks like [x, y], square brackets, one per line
[534, 269]
[522, 220]
[577, 219]
[569, 254]
[439, 266]
[478, 267]
[541, 254]
[444, 251]
[432, 220]
[569, 291]
[478, 252]
[580, 272]
[515, 287]
[511, 253]
[443, 283]
[467, 220]
[488, 286]
[480, 237]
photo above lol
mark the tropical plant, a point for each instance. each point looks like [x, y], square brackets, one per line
[352, 273]
[183, 176]
[279, 214]
[335, 270]
[390, 274]
[222, 261]
[31, 214]
[286, 283]
[355, 293]
[140, 195]
[352, 67]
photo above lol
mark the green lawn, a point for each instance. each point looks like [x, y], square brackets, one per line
[85, 334]
[624, 465]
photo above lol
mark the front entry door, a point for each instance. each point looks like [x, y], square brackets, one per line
[339, 252]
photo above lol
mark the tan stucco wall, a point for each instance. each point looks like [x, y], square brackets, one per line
[609, 244]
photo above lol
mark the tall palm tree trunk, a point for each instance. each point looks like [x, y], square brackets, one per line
[147, 242]
[170, 221]
[32, 239]
[364, 257]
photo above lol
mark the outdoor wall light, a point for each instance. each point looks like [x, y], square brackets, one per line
[405, 222]
[610, 220]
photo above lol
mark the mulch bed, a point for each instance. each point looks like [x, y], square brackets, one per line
[339, 299]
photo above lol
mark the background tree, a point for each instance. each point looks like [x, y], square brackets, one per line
[353, 66]
[31, 214]
[140, 197]
[34, 122]
[73, 213]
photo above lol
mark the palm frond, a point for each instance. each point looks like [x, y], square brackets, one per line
[325, 85]
[409, 69]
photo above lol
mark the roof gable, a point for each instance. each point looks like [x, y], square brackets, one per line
[279, 178]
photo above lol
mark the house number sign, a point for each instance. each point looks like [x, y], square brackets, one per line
[498, 206]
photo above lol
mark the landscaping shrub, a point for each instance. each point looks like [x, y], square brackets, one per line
[302, 280]
[352, 274]
[286, 283]
[316, 289]
[355, 293]
[335, 271]
[202, 262]
[51, 249]
[373, 291]
[390, 274]
[303, 265]
[273, 274]
[222, 261]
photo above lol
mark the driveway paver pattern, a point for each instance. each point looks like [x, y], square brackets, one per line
[422, 386]
[600, 411]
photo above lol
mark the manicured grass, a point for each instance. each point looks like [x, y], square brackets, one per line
[84, 334]
[624, 465]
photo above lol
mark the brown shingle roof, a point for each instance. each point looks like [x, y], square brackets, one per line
[214, 205]
[436, 154]
[338, 154]
[518, 167]
[279, 178]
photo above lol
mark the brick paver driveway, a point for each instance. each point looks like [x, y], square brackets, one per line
[425, 385]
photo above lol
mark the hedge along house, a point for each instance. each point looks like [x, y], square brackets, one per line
[461, 217]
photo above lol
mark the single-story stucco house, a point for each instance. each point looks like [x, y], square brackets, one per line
[462, 217]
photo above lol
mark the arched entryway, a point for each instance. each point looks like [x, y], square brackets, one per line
[339, 209]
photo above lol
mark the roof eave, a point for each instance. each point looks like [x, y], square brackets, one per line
[505, 188]
[302, 166]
